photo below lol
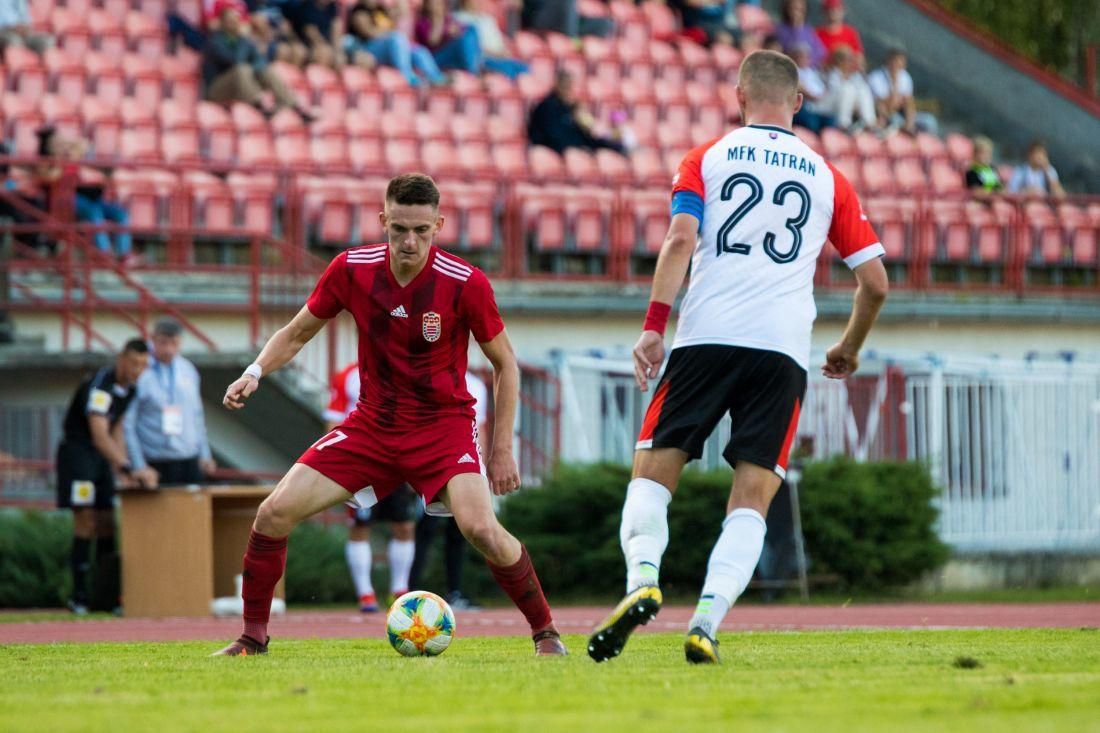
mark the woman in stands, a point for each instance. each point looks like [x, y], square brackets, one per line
[373, 31]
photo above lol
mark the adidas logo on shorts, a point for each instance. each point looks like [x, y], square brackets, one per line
[399, 312]
[466, 458]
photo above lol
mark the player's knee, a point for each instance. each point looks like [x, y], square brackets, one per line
[276, 517]
[483, 534]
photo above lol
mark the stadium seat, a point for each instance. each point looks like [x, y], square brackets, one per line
[1046, 233]
[811, 138]
[476, 221]
[475, 159]
[146, 194]
[900, 145]
[71, 31]
[588, 213]
[646, 220]
[398, 97]
[837, 143]
[850, 168]
[402, 154]
[139, 145]
[662, 22]
[290, 151]
[945, 179]
[991, 233]
[66, 74]
[136, 117]
[510, 159]
[648, 168]
[181, 145]
[107, 32]
[146, 82]
[327, 91]
[545, 165]
[910, 176]
[613, 167]
[147, 34]
[542, 214]
[950, 230]
[930, 146]
[894, 222]
[218, 133]
[580, 166]
[868, 144]
[439, 157]
[181, 75]
[960, 149]
[877, 177]
[329, 152]
[645, 121]
[102, 125]
[361, 87]
[248, 120]
[365, 152]
[108, 81]
[25, 70]
[431, 127]
[253, 199]
[753, 18]
[712, 117]
[212, 205]
[727, 59]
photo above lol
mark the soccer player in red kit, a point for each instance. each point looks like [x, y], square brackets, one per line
[415, 307]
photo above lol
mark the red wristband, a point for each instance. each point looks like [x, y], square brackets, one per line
[656, 318]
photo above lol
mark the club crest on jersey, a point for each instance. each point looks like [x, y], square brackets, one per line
[432, 326]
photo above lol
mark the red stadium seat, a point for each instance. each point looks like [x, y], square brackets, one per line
[545, 164]
[61, 112]
[329, 152]
[27, 71]
[212, 201]
[362, 88]
[811, 139]
[991, 233]
[930, 147]
[542, 212]
[290, 151]
[181, 76]
[727, 59]
[662, 23]
[218, 133]
[136, 117]
[510, 159]
[475, 159]
[440, 157]
[869, 145]
[645, 121]
[476, 223]
[529, 45]
[253, 196]
[147, 34]
[588, 212]
[945, 179]
[402, 154]
[562, 46]
[960, 149]
[878, 178]
[837, 143]
[256, 149]
[533, 89]
[102, 125]
[673, 137]
[892, 221]
[67, 76]
[181, 145]
[108, 34]
[327, 91]
[646, 220]
[139, 145]
[648, 168]
[465, 130]
[753, 18]
[951, 230]
[849, 166]
[613, 167]
[910, 176]
[21, 118]
[146, 82]
[901, 145]
[431, 127]
[71, 31]
[365, 152]
[580, 166]
[248, 120]
[712, 117]
[145, 194]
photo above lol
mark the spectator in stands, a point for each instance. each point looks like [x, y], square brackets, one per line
[813, 115]
[272, 32]
[772, 43]
[836, 32]
[454, 45]
[560, 121]
[892, 86]
[982, 179]
[373, 33]
[234, 70]
[492, 40]
[1037, 176]
[708, 21]
[15, 28]
[562, 16]
[319, 25]
[91, 453]
[165, 427]
[794, 30]
[62, 156]
[16, 188]
[849, 100]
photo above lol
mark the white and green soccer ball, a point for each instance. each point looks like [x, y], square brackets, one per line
[420, 624]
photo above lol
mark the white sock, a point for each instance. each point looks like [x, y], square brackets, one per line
[730, 569]
[359, 560]
[644, 531]
[401, 554]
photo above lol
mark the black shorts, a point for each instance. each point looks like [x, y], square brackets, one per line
[761, 390]
[397, 506]
[84, 477]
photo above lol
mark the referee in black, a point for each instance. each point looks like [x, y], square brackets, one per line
[92, 451]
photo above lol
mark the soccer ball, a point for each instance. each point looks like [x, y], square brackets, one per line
[420, 624]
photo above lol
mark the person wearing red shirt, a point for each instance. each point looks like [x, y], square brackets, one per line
[836, 32]
[415, 307]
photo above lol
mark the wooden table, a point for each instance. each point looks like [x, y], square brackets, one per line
[182, 547]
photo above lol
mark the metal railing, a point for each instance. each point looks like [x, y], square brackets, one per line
[1014, 446]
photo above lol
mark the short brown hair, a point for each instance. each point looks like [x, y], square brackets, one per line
[769, 76]
[413, 189]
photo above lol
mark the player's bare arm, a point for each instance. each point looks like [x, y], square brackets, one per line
[279, 349]
[842, 359]
[672, 267]
[502, 469]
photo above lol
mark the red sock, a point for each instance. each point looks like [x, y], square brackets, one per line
[264, 563]
[522, 586]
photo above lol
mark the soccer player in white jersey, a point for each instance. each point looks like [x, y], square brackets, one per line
[750, 212]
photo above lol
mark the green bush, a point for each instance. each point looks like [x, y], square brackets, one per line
[34, 558]
[871, 523]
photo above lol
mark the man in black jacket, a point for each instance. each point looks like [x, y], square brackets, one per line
[559, 121]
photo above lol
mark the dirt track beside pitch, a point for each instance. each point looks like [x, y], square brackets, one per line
[572, 620]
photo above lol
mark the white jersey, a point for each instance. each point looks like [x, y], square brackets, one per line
[766, 203]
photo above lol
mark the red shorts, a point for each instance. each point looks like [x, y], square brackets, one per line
[363, 457]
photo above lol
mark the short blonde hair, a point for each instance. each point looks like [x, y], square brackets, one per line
[769, 77]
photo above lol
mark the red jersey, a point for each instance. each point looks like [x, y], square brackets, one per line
[413, 340]
[845, 36]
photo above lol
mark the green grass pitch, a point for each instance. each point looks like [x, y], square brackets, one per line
[1033, 681]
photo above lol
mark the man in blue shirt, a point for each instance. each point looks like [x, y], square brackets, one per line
[166, 429]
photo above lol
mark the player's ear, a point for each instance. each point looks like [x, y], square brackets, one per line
[798, 100]
[440, 219]
[739, 91]
[383, 221]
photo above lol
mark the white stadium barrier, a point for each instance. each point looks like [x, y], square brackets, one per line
[1014, 445]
